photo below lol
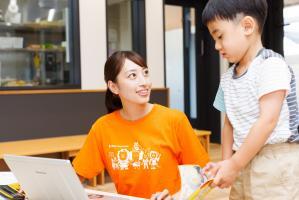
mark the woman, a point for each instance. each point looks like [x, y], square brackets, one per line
[140, 144]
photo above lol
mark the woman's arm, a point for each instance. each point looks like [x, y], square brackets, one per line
[81, 178]
[164, 195]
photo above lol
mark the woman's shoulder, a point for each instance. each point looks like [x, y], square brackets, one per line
[102, 125]
[104, 119]
[170, 112]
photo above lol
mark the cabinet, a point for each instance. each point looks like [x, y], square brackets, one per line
[35, 44]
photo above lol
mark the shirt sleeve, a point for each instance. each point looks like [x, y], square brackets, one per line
[219, 100]
[274, 75]
[88, 162]
[192, 152]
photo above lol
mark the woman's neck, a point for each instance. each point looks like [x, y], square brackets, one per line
[135, 112]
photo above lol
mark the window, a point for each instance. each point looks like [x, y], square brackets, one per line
[291, 37]
[126, 26]
[36, 47]
[180, 55]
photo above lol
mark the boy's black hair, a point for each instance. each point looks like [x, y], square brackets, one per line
[228, 10]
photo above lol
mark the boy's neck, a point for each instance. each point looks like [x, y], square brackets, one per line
[250, 54]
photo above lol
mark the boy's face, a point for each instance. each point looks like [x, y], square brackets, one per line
[230, 39]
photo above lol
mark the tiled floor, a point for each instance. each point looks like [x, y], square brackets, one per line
[215, 194]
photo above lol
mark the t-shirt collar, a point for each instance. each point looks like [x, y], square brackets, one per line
[235, 76]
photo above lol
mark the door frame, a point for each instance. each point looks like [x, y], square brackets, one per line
[207, 73]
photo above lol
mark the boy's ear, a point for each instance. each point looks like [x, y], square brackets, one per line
[112, 87]
[249, 25]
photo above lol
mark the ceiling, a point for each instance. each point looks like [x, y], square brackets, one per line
[286, 2]
[290, 2]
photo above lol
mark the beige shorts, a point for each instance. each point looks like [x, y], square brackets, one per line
[273, 174]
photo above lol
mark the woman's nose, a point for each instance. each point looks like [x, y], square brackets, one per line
[143, 80]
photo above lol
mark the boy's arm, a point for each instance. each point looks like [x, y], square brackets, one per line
[227, 131]
[270, 107]
[227, 139]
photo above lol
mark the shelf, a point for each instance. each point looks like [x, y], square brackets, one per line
[32, 27]
[61, 50]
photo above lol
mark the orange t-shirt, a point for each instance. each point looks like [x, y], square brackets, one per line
[141, 156]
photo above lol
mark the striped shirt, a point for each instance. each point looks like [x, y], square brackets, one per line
[239, 97]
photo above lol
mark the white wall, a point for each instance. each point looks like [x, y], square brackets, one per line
[175, 68]
[93, 43]
[94, 46]
[155, 40]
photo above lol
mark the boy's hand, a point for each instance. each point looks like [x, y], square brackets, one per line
[211, 169]
[164, 195]
[227, 172]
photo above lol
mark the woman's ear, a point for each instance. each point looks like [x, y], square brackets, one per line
[113, 87]
[249, 25]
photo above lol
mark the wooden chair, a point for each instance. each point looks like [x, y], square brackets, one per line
[204, 137]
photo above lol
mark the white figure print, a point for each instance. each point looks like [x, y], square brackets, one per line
[154, 159]
[114, 162]
[123, 156]
[136, 156]
[145, 162]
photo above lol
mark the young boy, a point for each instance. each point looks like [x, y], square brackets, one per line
[258, 96]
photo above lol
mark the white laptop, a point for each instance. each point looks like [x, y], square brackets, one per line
[52, 179]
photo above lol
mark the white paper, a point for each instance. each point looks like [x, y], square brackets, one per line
[99, 195]
[7, 178]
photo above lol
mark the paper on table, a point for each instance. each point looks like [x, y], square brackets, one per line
[7, 178]
[99, 195]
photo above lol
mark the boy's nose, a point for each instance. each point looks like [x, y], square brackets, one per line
[217, 46]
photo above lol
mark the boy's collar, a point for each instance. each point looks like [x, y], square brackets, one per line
[260, 52]
[235, 76]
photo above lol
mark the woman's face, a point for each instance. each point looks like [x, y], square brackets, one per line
[133, 84]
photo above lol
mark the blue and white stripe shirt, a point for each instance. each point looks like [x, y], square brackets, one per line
[239, 97]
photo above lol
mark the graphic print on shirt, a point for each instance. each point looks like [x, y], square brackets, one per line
[124, 157]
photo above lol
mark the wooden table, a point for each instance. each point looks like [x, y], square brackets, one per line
[204, 137]
[67, 146]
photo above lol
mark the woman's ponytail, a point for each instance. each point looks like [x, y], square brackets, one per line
[112, 101]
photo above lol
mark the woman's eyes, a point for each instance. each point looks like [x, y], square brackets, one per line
[132, 76]
[146, 72]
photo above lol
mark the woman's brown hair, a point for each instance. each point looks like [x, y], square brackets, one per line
[112, 68]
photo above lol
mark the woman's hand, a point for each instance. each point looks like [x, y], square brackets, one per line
[164, 195]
